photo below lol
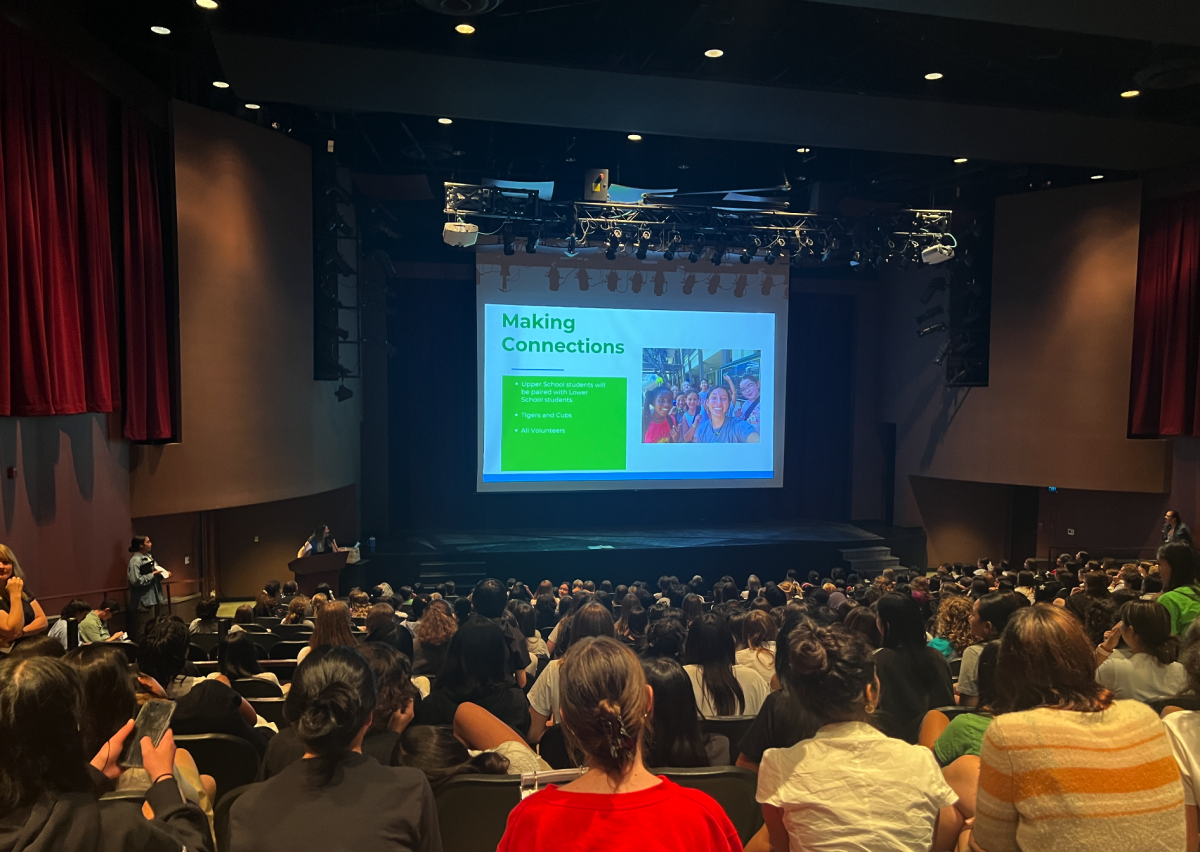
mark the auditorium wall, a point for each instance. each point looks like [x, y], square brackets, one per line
[1055, 411]
[256, 428]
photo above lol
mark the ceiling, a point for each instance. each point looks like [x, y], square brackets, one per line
[543, 82]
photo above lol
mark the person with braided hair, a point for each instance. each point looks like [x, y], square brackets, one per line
[607, 710]
[850, 787]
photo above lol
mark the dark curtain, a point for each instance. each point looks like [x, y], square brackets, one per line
[58, 334]
[147, 388]
[1163, 395]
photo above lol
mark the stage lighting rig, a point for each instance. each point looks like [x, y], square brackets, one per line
[531, 242]
[750, 250]
[673, 242]
[643, 245]
[697, 249]
[775, 251]
[718, 254]
[510, 241]
[613, 244]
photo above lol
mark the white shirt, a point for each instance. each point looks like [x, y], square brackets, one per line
[1141, 677]
[544, 697]
[754, 689]
[851, 787]
[762, 661]
[1183, 732]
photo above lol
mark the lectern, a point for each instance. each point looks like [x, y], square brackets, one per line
[312, 571]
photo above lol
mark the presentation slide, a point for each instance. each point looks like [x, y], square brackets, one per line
[625, 389]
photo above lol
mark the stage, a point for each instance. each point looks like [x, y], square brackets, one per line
[624, 555]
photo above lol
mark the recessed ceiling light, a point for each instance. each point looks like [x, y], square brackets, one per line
[684, 166]
[207, 4]
[1097, 177]
[803, 150]
[465, 29]
[220, 84]
[445, 121]
[570, 159]
[960, 159]
[253, 106]
[634, 137]
[160, 31]
[715, 53]
[934, 75]
[1130, 93]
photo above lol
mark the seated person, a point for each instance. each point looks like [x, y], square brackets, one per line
[205, 621]
[201, 706]
[1150, 671]
[76, 609]
[94, 627]
[371, 807]
[237, 659]
[676, 738]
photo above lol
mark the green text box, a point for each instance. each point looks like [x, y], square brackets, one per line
[563, 423]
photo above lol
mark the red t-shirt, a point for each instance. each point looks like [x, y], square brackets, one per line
[665, 818]
[660, 432]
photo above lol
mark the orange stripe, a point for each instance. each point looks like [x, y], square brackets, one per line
[1056, 746]
[1178, 803]
[1062, 781]
[996, 784]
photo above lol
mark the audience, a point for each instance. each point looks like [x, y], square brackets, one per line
[334, 695]
[333, 628]
[297, 610]
[476, 670]
[205, 621]
[1149, 671]
[434, 633]
[76, 610]
[606, 709]
[914, 678]
[1183, 731]
[952, 627]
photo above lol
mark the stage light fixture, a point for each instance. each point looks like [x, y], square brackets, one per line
[343, 393]
[931, 329]
[571, 246]
[714, 53]
[613, 280]
[935, 286]
[934, 75]
[634, 137]
[943, 351]
[1097, 177]
[1130, 93]
[856, 258]
[960, 160]
[750, 250]
[613, 244]
[827, 255]
[445, 121]
[510, 241]
[464, 29]
[531, 242]
[582, 277]
[936, 254]
[207, 4]
[220, 84]
[697, 249]
[643, 245]
[672, 247]
[718, 254]
[554, 278]
[460, 234]
[160, 30]
[252, 106]
[930, 314]
[775, 251]
[803, 150]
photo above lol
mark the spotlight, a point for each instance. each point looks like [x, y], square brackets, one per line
[774, 251]
[856, 258]
[960, 160]
[930, 314]
[934, 287]
[803, 150]
[750, 250]
[614, 244]
[531, 242]
[207, 4]
[634, 137]
[510, 241]
[718, 254]
[643, 245]
[160, 30]
[689, 283]
[1130, 93]
[571, 244]
[715, 53]
[672, 247]
[936, 254]
[636, 282]
[464, 29]
[697, 249]
[931, 329]
[943, 351]
[343, 393]
[445, 121]
[934, 75]
[1097, 177]
[252, 106]
[220, 84]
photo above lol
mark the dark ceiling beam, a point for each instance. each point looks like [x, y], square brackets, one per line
[354, 79]
[1164, 21]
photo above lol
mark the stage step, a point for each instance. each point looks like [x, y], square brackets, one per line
[869, 561]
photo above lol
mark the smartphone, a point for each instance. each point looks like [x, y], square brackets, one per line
[152, 722]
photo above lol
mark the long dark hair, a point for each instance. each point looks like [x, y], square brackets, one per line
[236, 656]
[903, 626]
[710, 645]
[110, 687]
[393, 681]
[333, 626]
[1184, 560]
[675, 738]
[651, 395]
[1151, 622]
[437, 753]
[476, 662]
[39, 727]
[332, 695]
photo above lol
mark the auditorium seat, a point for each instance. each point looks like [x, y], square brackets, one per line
[230, 760]
[266, 621]
[732, 728]
[270, 709]
[207, 641]
[138, 796]
[195, 653]
[1183, 702]
[291, 631]
[955, 668]
[488, 799]
[287, 649]
[253, 627]
[252, 687]
[221, 821]
[733, 788]
[267, 640]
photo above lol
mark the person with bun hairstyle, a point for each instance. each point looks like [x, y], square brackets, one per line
[850, 787]
[607, 709]
[374, 808]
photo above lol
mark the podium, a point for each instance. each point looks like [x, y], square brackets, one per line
[312, 571]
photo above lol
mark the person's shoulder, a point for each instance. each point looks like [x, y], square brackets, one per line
[702, 802]
[1185, 725]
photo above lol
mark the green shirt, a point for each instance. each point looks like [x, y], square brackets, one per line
[964, 735]
[1184, 605]
[92, 629]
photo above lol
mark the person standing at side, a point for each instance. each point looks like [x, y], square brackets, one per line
[1174, 529]
[145, 582]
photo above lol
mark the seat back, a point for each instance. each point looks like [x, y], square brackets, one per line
[955, 668]
[488, 799]
[267, 621]
[230, 760]
[287, 649]
[732, 728]
[221, 824]
[195, 653]
[733, 788]
[266, 641]
[553, 749]
[270, 709]
[253, 627]
[292, 631]
[1183, 702]
[252, 687]
[207, 641]
[952, 710]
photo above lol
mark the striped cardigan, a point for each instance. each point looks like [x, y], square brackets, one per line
[1060, 780]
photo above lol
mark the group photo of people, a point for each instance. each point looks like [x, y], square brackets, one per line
[701, 396]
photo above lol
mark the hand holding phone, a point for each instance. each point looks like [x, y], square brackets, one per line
[152, 722]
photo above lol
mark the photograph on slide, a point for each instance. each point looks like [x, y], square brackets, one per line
[701, 396]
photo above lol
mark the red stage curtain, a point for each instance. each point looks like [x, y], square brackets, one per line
[147, 389]
[1164, 396]
[58, 334]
